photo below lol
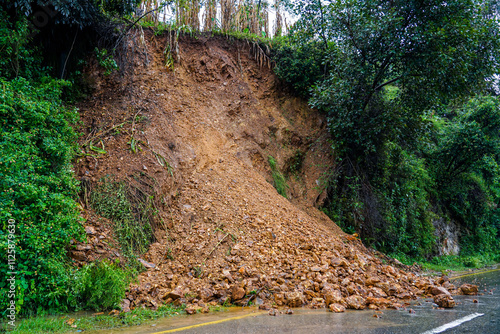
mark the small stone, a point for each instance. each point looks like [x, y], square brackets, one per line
[125, 306]
[443, 279]
[289, 311]
[82, 247]
[206, 294]
[89, 230]
[273, 312]
[372, 280]
[174, 294]
[226, 274]
[264, 307]
[339, 262]
[378, 301]
[79, 256]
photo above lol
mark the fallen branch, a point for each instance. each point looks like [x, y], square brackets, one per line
[89, 139]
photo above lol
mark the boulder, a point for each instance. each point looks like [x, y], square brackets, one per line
[125, 305]
[333, 296]
[294, 299]
[356, 302]
[380, 302]
[438, 290]
[174, 294]
[469, 289]
[237, 292]
[444, 300]
[337, 308]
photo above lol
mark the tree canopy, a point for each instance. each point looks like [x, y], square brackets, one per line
[382, 71]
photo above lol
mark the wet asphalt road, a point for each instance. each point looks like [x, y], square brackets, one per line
[426, 319]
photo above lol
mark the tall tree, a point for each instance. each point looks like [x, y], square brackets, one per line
[423, 52]
[384, 64]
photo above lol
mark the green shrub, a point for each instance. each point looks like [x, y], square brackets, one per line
[106, 61]
[100, 286]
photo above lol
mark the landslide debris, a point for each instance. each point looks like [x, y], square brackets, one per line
[203, 134]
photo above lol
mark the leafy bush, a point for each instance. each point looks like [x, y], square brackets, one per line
[106, 61]
[100, 286]
[75, 12]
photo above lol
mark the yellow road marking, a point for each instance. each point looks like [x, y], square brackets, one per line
[209, 323]
[478, 273]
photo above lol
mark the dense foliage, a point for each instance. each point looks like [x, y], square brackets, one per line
[36, 184]
[390, 76]
[71, 12]
[38, 190]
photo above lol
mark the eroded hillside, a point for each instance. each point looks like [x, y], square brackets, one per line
[202, 133]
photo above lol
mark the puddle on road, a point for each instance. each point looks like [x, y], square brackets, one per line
[247, 318]
[185, 320]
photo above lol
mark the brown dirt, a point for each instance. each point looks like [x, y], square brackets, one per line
[215, 119]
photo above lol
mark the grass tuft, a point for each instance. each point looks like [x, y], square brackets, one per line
[279, 180]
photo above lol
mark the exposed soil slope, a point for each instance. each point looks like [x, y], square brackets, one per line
[226, 234]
